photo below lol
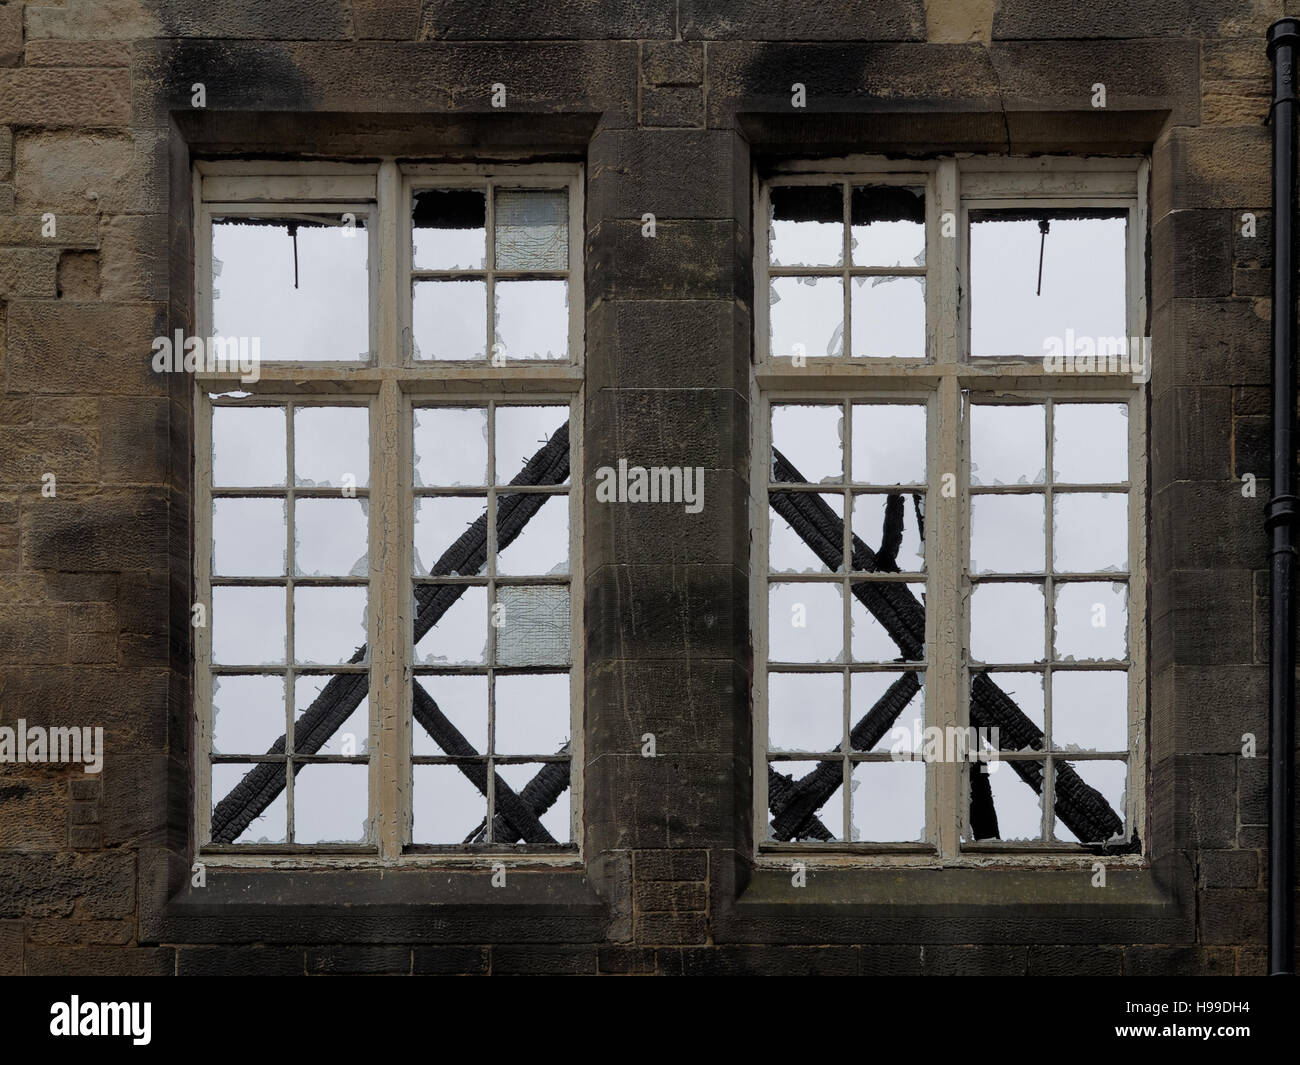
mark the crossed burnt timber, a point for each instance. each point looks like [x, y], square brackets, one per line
[344, 692]
[1082, 808]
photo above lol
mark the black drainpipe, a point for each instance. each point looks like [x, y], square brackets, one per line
[1283, 37]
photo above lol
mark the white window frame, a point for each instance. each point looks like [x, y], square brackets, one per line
[954, 186]
[392, 384]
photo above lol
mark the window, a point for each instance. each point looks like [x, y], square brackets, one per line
[388, 376]
[948, 539]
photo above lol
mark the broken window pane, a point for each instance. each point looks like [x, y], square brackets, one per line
[329, 624]
[532, 713]
[875, 515]
[1006, 622]
[532, 319]
[888, 226]
[331, 446]
[463, 700]
[1008, 443]
[787, 551]
[1019, 809]
[532, 229]
[810, 437]
[445, 806]
[807, 226]
[1083, 281]
[1091, 621]
[450, 446]
[1007, 533]
[871, 641]
[533, 625]
[521, 432]
[460, 636]
[805, 711]
[439, 522]
[331, 804]
[1091, 443]
[542, 546]
[247, 714]
[298, 286]
[1091, 532]
[248, 447]
[805, 622]
[330, 537]
[1090, 710]
[249, 537]
[248, 626]
[888, 803]
[806, 317]
[827, 822]
[449, 320]
[1026, 691]
[449, 229]
[350, 739]
[888, 443]
[887, 316]
[906, 732]
[1109, 778]
[271, 826]
[555, 820]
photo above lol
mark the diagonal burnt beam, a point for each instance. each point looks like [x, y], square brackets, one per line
[1081, 807]
[344, 692]
[538, 795]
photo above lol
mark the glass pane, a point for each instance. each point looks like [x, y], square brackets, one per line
[807, 226]
[300, 287]
[271, 826]
[905, 731]
[888, 317]
[331, 446]
[1007, 534]
[872, 641]
[888, 443]
[872, 521]
[439, 522]
[532, 229]
[805, 711]
[1090, 710]
[331, 804]
[449, 229]
[1008, 444]
[557, 819]
[805, 622]
[805, 317]
[521, 433]
[533, 626]
[532, 319]
[247, 714]
[350, 739]
[1016, 805]
[249, 537]
[1006, 622]
[464, 702]
[1091, 532]
[1109, 778]
[826, 825]
[248, 626]
[811, 439]
[449, 319]
[1083, 283]
[542, 546]
[1091, 443]
[532, 713]
[460, 635]
[888, 803]
[329, 624]
[888, 226]
[787, 551]
[446, 807]
[450, 446]
[331, 537]
[1092, 621]
[248, 447]
[1026, 691]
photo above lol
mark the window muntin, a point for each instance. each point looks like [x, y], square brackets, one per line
[300, 500]
[981, 541]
